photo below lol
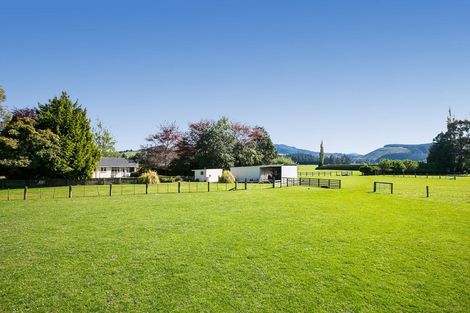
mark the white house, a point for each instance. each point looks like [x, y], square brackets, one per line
[207, 174]
[264, 172]
[114, 168]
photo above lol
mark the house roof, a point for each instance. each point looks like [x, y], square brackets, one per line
[116, 162]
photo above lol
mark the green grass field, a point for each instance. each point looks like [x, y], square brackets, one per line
[291, 249]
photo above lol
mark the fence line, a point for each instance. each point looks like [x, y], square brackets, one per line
[326, 173]
[109, 190]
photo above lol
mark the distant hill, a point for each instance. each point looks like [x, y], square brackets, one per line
[393, 151]
[285, 149]
[399, 152]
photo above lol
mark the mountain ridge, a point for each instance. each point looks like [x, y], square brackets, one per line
[415, 152]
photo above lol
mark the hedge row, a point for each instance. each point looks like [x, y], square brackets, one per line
[341, 167]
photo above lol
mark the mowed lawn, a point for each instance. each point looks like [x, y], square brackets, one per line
[291, 249]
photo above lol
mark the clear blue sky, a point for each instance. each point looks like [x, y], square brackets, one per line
[357, 74]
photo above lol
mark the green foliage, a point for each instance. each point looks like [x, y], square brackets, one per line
[282, 159]
[321, 156]
[215, 146]
[5, 115]
[369, 169]
[170, 179]
[387, 166]
[450, 151]
[227, 177]
[410, 166]
[149, 177]
[105, 141]
[27, 152]
[78, 152]
[343, 167]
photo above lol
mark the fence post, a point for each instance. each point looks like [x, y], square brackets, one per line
[287, 184]
[340, 184]
[375, 186]
[70, 191]
[236, 185]
[274, 183]
[179, 187]
[391, 190]
[146, 188]
[246, 184]
[309, 181]
[8, 194]
[427, 191]
[329, 183]
[110, 190]
[208, 186]
[25, 192]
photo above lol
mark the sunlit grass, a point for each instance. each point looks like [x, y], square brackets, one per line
[291, 249]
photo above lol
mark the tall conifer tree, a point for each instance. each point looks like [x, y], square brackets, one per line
[69, 121]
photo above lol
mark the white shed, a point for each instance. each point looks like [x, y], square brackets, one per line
[208, 174]
[264, 172]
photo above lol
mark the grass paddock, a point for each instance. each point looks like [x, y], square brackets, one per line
[291, 249]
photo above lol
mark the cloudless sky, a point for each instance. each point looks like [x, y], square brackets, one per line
[357, 74]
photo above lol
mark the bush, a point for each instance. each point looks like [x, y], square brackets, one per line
[226, 177]
[135, 174]
[369, 169]
[282, 159]
[341, 167]
[149, 177]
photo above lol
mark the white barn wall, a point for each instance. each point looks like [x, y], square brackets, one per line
[209, 175]
[250, 173]
[289, 171]
[212, 175]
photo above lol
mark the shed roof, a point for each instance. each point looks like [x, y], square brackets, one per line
[116, 162]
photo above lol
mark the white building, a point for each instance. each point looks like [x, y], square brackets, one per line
[264, 172]
[114, 168]
[208, 174]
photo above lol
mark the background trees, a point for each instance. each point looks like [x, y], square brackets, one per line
[104, 140]
[450, 151]
[206, 144]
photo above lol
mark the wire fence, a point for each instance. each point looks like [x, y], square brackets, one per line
[355, 173]
[108, 190]
[326, 173]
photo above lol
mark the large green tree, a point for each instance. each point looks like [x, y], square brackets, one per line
[215, 146]
[69, 121]
[450, 151]
[27, 152]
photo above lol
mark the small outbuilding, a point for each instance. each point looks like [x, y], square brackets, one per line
[264, 173]
[208, 174]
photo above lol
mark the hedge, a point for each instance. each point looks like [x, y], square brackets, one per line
[341, 167]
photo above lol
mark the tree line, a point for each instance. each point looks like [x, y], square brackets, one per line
[205, 144]
[52, 140]
[56, 140]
